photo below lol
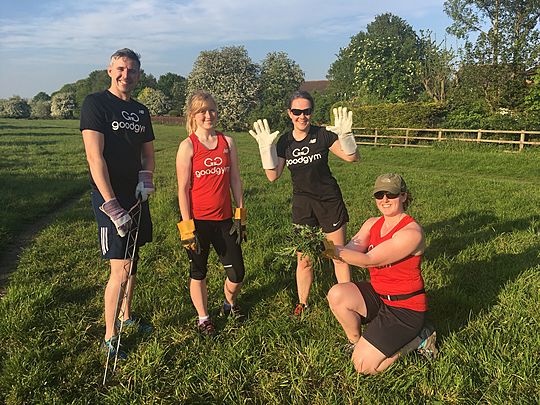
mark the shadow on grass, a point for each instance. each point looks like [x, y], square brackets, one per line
[473, 286]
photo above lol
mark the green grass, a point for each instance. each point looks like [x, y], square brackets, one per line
[479, 208]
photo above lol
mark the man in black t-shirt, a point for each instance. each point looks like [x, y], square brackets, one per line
[118, 140]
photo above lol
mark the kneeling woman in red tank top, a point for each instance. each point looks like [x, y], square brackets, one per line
[393, 304]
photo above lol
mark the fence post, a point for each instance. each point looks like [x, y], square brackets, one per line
[479, 136]
[407, 136]
[439, 136]
[521, 140]
[376, 134]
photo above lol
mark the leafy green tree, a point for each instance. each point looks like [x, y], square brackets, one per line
[232, 78]
[146, 80]
[497, 31]
[63, 105]
[156, 102]
[15, 107]
[502, 38]
[41, 96]
[341, 73]
[436, 68]
[280, 76]
[40, 109]
[174, 87]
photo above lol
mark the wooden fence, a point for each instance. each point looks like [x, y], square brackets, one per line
[424, 137]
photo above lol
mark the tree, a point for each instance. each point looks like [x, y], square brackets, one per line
[280, 76]
[436, 70]
[231, 77]
[15, 107]
[388, 60]
[41, 96]
[156, 102]
[63, 105]
[144, 82]
[174, 87]
[507, 31]
[40, 109]
[341, 73]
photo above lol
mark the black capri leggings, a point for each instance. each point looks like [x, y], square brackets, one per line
[216, 233]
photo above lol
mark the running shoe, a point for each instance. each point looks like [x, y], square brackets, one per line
[299, 311]
[206, 328]
[110, 347]
[135, 322]
[427, 347]
[232, 310]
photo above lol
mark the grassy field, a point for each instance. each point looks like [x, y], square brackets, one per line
[480, 209]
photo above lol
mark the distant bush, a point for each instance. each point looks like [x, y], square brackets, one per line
[400, 115]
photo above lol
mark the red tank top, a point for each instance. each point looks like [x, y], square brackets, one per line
[398, 278]
[210, 180]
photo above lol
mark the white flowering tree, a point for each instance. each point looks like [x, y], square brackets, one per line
[155, 100]
[232, 78]
[15, 107]
[63, 105]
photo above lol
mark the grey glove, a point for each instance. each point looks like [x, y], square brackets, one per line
[119, 216]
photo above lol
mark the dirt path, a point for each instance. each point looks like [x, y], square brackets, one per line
[9, 259]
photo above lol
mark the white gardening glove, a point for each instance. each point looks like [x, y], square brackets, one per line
[265, 139]
[145, 186]
[343, 128]
[119, 216]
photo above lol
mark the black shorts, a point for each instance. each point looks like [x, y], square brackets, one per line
[229, 252]
[388, 328]
[113, 246]
[330, 215]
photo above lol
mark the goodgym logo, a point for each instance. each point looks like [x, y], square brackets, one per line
[214, 166]
[130, 123]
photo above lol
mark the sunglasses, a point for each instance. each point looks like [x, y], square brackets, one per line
[379, 195]
[298, 112]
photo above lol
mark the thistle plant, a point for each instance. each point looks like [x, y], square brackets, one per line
[305, 239]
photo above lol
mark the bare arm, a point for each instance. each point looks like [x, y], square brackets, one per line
[274, 174]
[183, 176]
[336, 150]
[147, 156]
[236, 181]
[405, 242]
[93, 144]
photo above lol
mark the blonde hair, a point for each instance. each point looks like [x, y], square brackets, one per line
[198, 101]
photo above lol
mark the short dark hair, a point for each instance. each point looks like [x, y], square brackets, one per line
[127, 53]
[302, 94]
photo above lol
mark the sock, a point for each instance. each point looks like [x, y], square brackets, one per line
[203, 318]
[226, 305]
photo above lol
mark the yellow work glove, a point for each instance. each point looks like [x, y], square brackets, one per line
[188, 235]
[239, 225]
[329, 250]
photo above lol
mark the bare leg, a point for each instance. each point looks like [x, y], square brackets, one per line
[199, 296]
[304, 278]
[112, 298]
[348, 305]
[343, 272]
[231, 290]
[367, 359]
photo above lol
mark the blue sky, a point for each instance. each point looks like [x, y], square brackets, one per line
[45, 44]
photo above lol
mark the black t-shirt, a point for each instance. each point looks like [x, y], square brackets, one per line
[308, 162]
[126, 126]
